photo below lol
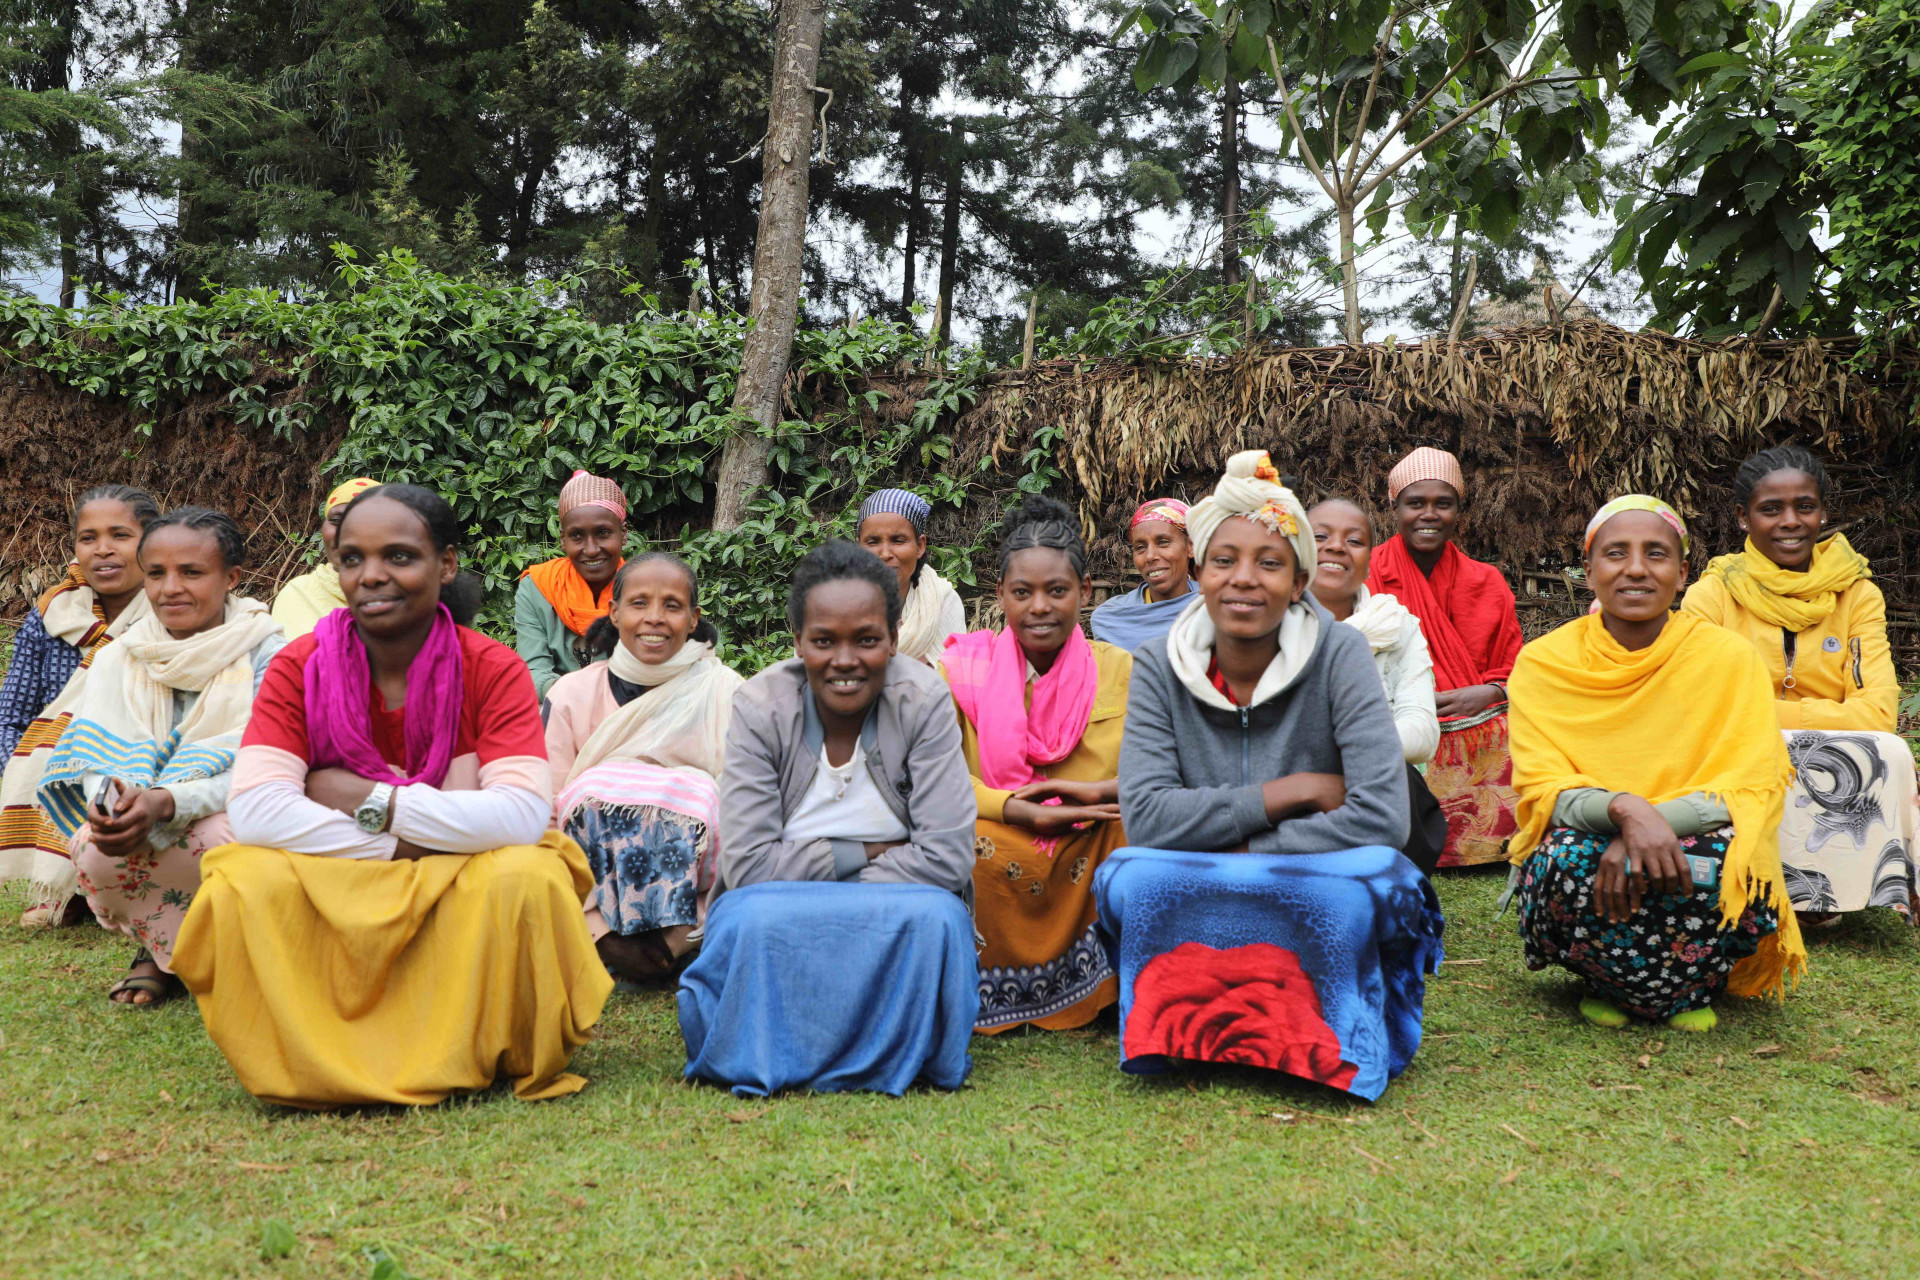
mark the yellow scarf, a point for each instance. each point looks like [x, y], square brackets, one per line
[1693, 711]
[1783, 598]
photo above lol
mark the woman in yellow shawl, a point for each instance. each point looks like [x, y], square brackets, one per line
[304, 600]
[1650, 781]
[1808, 607]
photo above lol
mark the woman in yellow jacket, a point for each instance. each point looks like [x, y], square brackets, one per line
[1808, 606]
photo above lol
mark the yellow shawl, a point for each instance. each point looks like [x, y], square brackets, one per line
[1787, 599]
[308, 598]
[1693, 711]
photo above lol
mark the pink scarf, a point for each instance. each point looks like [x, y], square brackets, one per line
[339, 689]
[988, 673]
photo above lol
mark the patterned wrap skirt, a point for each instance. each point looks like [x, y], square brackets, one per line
[1668, 957]
[1847, 834]
[1310, 964]
[1472, 777]
[1041, 961]
[652, 840]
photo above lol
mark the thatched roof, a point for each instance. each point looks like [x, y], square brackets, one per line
[1548, 423]
[1546, 301]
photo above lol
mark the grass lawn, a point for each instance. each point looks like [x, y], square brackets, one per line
[1520, 1143]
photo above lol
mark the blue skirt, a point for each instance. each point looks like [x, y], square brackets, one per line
[1314, 965]
[832, 987]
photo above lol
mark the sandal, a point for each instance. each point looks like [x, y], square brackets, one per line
[57, 915]
[159, 986]
[1603, 1013]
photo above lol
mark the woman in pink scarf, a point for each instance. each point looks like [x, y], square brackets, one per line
[1041, 714]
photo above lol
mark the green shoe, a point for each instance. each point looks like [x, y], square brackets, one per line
[1603, 1013]
[1695, 1020]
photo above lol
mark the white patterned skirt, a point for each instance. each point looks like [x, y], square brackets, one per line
[1847, 835]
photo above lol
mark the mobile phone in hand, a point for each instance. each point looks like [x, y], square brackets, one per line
[107, 798]
[1706, 871]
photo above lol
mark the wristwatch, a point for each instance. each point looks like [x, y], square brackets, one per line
[373, 811]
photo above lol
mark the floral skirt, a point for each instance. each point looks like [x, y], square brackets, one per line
[146, 895]
[652, 838]
[1667, 958]
[1472, 778]
[1847, 834]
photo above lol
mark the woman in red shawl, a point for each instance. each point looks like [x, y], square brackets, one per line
[1466, 614]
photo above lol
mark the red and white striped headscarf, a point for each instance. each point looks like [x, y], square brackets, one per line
[1425, 464]
[585, 490]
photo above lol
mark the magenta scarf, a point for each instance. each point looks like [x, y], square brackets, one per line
[988, 673]
[339, 688]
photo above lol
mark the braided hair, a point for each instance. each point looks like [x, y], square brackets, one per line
[1786, 457]
[1040, 521]
[139, 501]
[226, 533]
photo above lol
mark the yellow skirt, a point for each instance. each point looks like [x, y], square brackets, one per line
[335, 982]
[1041, 959]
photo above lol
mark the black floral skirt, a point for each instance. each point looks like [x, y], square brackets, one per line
[1668, 957]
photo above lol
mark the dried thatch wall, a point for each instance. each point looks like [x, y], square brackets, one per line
[56, 442]
[1548, 423]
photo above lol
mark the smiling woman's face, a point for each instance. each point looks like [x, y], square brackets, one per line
[1162, 556]
[106, 546]
[1249, 577]
[1635, 566]
[390, 571]
[655, 612]
[1783, 516]
[1344, 543]
[1425, 512]
[1041, 596]
[592, 537]
[845, 645]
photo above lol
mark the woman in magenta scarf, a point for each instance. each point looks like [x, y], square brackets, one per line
[1041, 713]
[396, 922]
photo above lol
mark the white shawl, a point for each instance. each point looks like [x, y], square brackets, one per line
[681, 721]
[1190, 653]
[925, 620]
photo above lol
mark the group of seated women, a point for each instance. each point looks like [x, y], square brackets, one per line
[393, 859]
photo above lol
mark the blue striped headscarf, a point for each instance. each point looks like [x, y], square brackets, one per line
[898, 502]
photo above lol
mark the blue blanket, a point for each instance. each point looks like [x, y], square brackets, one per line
[832, 987]
[1314, 965]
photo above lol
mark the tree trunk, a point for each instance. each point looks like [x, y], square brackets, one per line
[648, 267]
[778, 258]
[916, 210]
[1230, 184]
[1349, 277]
[950, 239]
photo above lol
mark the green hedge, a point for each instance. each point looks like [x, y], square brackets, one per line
[493, 394]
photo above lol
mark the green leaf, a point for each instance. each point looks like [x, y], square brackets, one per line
[276, 1239]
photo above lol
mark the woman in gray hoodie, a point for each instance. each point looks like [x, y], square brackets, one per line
[1269, 918]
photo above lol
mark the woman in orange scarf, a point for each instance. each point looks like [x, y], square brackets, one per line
[1466, 614]
[560, 598]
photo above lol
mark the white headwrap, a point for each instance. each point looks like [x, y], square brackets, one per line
[1252, 488]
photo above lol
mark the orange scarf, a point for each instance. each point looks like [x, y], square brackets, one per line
[572, 599]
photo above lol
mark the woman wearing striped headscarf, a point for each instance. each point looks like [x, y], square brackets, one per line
[1467, 615]
[1163, 557]
[312, 596]
[560, 598]
[1651, 777]
[893, 525]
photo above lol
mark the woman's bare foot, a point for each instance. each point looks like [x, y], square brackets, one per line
[145, 984]
[643, 957]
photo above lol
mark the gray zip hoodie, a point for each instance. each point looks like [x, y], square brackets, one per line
[1191, 772]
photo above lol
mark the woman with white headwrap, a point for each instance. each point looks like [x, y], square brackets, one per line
[1270, 920]
[893, 525]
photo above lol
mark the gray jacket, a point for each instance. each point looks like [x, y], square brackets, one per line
[912, 743]
[1191, 774]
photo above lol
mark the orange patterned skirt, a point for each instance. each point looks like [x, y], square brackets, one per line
[1472, 778]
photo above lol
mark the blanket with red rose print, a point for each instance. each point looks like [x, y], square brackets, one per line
[1314, 965]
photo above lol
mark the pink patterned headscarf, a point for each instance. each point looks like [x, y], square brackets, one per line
[585, 490]
[1172, 510]
[1637, 502]
[1425, 464]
